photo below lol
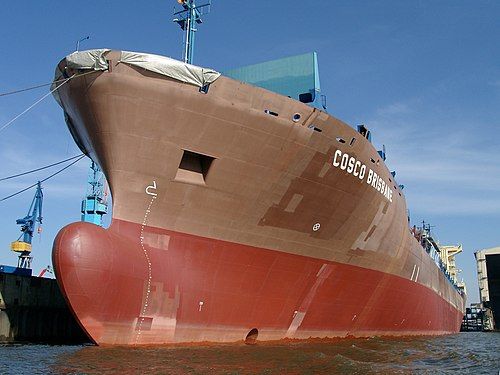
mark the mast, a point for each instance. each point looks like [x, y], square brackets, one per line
[187, 20]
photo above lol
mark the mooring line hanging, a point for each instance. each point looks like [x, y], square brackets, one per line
[45, 179]
[66, 80]
[39, 169]
[34, 104]
[30, 88]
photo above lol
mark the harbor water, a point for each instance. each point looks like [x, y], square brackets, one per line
[464, 353]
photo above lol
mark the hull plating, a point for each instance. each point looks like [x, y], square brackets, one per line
[276, 232]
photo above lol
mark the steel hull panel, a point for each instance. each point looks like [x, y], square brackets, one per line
[189, 260]
[203, 289]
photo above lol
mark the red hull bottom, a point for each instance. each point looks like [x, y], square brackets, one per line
[131, 286]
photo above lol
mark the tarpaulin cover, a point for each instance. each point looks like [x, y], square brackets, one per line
[166, 66]
[96, 59]
[91, 59]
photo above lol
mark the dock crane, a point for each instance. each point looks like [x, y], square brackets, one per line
[95, 204]
[28, 225]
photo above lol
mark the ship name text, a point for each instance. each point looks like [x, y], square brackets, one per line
[355, 167]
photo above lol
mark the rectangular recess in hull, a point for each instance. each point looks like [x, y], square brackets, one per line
[193, 168]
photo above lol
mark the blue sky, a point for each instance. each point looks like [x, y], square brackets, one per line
[422, 75]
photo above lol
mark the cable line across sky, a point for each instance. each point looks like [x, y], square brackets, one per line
[45, 179]
[39, 169]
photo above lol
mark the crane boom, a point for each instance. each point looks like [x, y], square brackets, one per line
[28, 226]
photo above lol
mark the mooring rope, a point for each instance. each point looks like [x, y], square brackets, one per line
[45, 179]
[39, 169]
[30, 88]
[64, 81]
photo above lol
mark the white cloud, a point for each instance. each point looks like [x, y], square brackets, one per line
[447, 167]
[393, 109]
[444, 203]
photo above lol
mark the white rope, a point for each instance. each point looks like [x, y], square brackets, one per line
[34, 104]
[43, 97]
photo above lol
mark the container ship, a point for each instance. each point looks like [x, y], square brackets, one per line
[242, 210]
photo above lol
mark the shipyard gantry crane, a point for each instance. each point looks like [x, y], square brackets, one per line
[28, 225]
[95, 204]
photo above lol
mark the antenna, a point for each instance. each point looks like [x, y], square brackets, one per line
[81, 40]
[187, 20]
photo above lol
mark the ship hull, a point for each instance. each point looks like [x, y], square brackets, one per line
[201, 289]
[237, 208]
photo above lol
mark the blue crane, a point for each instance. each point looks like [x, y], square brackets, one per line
[28, 225]
[95, 204]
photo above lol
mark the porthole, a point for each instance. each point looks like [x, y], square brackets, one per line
[296, 117]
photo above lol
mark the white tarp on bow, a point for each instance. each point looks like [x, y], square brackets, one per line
[96, 59]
